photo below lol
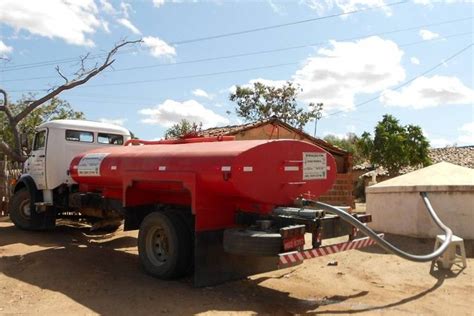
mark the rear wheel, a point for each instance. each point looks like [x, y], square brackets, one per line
[164, 245]
[21, 212]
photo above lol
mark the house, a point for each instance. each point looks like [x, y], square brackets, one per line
[273, 128]
[397, 208]
[461, 156]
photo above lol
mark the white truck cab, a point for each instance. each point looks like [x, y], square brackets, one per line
[57, 142]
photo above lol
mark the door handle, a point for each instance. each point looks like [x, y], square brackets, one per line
[41, 156]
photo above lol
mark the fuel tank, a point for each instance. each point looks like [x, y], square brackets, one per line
[264, 171]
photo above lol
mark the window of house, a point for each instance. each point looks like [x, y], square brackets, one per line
[79, 136]
[112, 139]
[40, 140]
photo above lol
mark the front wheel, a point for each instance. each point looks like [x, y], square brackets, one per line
[165, 245]
[21, 212]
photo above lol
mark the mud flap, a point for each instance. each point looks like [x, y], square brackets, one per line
[212, 265]
[44, 220]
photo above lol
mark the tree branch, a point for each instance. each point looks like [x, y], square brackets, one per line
[61, 74]
[10, 152]
[14, 126]
[80, 80]
[82, 76]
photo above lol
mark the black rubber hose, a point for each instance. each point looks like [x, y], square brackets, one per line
[386, 245]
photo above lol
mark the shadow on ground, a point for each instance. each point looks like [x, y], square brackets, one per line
[102, 274]
[414, 245]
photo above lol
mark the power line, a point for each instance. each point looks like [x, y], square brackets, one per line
[179, 77]
[443, 62]
[302, 46]
[206, 74]
[230, 34]
[60, 61]
[259, 53]
[265, 28]
[211, 74]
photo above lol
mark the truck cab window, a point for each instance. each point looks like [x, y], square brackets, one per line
[40, 140]
[79, 136]
[112, 139]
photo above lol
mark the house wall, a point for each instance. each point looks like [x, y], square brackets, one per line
[341, 193]
[404, 213]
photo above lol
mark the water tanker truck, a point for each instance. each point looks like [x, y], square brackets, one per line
[216, 207]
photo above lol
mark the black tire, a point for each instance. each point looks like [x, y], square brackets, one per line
[164, 245]
[20, 211]
[252, 243]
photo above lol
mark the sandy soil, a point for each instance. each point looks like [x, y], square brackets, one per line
[69, 271]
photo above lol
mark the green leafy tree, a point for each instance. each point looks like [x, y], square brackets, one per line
[364, 146]
[349, 144]
[261, 102]
[184, 128]
[54, 109]
[395, 146]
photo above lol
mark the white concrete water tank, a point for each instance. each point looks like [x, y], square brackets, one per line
[396, 205]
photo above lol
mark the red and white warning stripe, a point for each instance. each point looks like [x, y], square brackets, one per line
[294, 257]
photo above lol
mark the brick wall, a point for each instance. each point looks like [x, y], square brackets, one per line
[341, 192]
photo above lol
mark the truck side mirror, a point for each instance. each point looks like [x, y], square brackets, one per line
[24, 140]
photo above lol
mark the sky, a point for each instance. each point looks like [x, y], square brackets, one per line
[360, 58]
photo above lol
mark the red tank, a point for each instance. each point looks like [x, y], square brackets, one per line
[212, 177]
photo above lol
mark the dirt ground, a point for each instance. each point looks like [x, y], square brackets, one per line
[69, 271]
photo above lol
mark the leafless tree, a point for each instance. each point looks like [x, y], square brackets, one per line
[83, 75]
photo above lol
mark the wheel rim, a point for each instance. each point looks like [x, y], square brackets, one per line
[25, 209]
[157, 246]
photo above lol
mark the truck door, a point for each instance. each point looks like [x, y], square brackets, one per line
[37, 161]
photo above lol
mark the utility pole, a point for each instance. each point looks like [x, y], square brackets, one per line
[319, 114]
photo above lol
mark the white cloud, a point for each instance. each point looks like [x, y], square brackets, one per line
[118, 121]
[158, 3]
[321, 7]
[73, 21]
[107, 7]
[428, 35]
[203, 94]
[277, 8]
[467, 134]
[105, 26]
[171, 112]
[126, 23]
[430, 92]
[414, 61]
[158, 48]
[126, 9]
[337, 74]
[4, 49]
